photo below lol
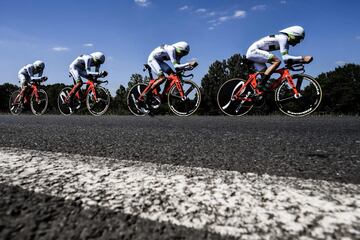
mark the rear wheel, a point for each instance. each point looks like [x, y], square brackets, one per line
[132, 99]
[15, 105]
[98, 105]
[308, 100]
[188, 105]
[231, 106]
[64, 108]
[39, 105]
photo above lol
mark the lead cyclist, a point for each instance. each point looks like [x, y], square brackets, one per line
[259, 52]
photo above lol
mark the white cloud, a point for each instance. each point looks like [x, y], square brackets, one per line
[60, 49]
[239, 14]
[183, 8]
[283, 2]
[201, 10]
[88, 45]
[211, 28]
[357, 37]
[259, 7]
[142, 3]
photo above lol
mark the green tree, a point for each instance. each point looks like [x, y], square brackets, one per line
[119, 102]
[5, 91]
[341, 90]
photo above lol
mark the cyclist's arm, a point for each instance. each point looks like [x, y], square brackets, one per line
[88, 60]
[284, 49]
[30, 71]
[171, 51]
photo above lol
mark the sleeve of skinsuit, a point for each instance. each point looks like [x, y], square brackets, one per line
[171, 51]
[30, 70]
[284, 49]
[88, 60]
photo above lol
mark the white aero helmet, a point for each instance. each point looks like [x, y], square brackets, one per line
[182, 48]
[39, 64]
[98, 57]
[296, 34]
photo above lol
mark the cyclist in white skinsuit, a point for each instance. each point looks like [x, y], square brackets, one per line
[259, 52]
[81, 68]
[159, 55]
[27, 74]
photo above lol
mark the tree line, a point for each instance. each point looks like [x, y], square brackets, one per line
[341, 89]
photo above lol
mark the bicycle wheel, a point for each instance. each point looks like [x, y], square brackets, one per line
[64, 108]
[39, 106]
[132, 97]
[100, 105]
[187, 106]
[235, 107]
[15, 107]
[309, 98]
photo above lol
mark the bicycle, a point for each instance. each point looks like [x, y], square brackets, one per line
[295, 95]
[97, 98]
[35, 97]
[183, 96]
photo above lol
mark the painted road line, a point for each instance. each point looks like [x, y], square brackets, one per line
[248, 206]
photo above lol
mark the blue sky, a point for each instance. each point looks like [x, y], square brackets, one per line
[128, 30]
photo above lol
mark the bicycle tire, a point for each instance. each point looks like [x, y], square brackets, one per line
[44, 101]
[225, 99]
[15, 109]
[132, 97]
[102, 104]
[307, 103]
[188, 106]
[63, 107]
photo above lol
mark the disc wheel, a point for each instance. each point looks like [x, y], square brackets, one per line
[308, 100]
[231, 106]
[187, 106]
[39, 104]
[99, 105]
[14, 104]
[132, 97]
[64, 108]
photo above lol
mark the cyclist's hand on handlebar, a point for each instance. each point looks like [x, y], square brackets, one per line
[44, 79]
[103, 73]
[193, 64]
[307, 59]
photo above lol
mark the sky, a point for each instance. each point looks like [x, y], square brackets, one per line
[57, 31]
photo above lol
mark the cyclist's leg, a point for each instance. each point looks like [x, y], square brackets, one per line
[260, 58]
[24, 82]
[76, 75]
[157, 68]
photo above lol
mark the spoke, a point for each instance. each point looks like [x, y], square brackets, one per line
[175, 96]
[189, 90]
[299, 83]
[286, 99]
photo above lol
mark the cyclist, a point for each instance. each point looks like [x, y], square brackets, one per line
[27, 74]
[157, 61]
[81, 68]
[259, 52]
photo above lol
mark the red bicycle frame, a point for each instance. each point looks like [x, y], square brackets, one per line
[171, 80]
[34, 91]
[284, 76]
[90, 86]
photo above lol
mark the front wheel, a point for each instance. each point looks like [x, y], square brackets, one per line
[132, 99]
[187, 105]
[306, 102]
[232, 106]
[39, 102]
[15, 105]
[98, 101]
[64, 108]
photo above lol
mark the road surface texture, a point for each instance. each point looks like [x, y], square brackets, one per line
[111, 177]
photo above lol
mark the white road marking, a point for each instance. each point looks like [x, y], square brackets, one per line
[248, 206]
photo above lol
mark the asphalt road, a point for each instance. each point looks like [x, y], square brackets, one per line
[326, 148]
[43, 199]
